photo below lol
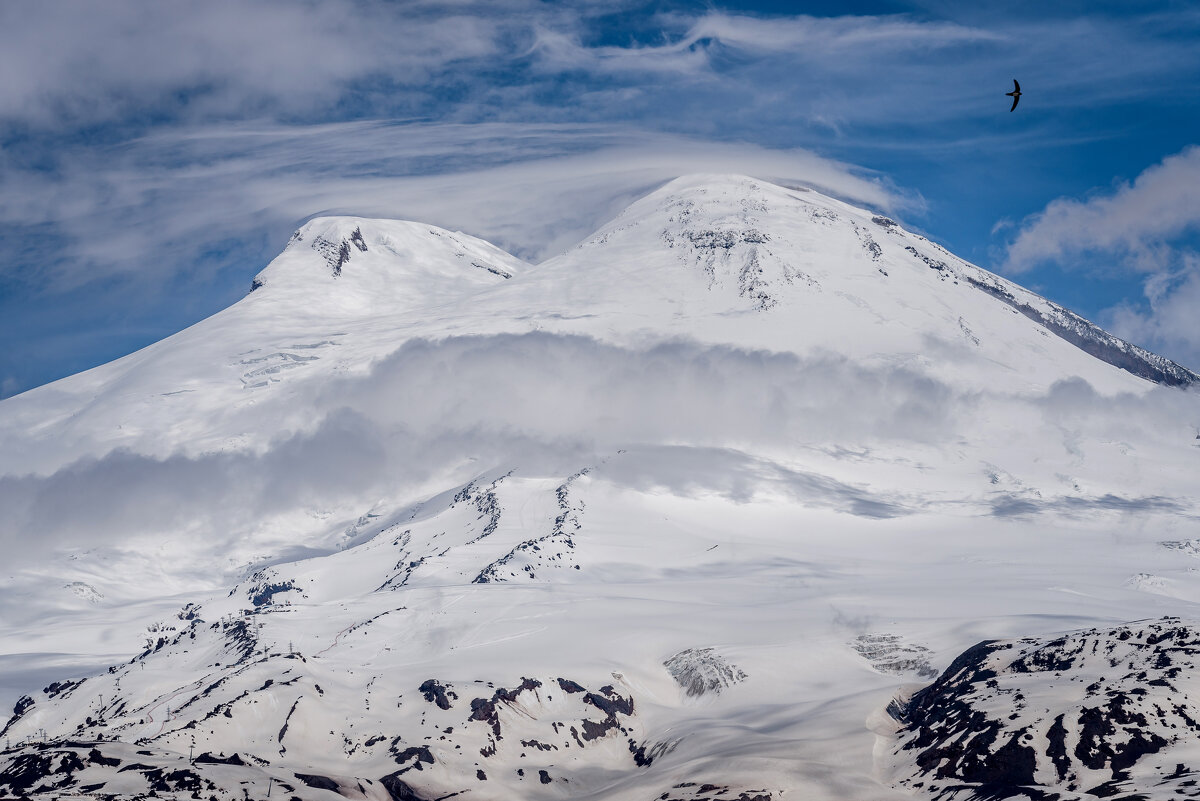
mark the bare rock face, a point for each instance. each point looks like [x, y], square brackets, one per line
[1102, 712]
[888, 653]
[703, 670]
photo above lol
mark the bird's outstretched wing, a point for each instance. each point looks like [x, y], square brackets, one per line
[1017, 86]
[1016, 99]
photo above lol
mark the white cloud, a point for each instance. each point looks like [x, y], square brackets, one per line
[1172, 321]
[79, 60]
[1140, 227]
[549, 404]
[1133, 224]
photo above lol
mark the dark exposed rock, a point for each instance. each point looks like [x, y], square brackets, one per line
[26, 771]
[400, 790]
[714, 239]
[319, 782]
[23, 705]
[702, 670]
[283, 729]
[1091, 338]
[690, 791]
[206, 757]
[611, 704]
[263, 594]
[436, 693]
[931, 263]
[336, 254]
[484, 709]
[537, 551]
[417, 753]
[888, 653]
[96, 758]
[63, 688]
[492, 269]
[569, 686]
[1006, 713]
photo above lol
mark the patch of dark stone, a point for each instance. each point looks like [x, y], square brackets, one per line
[957, 741]
[160, 780]
[399, 789]
[343, 256]
[96, 758]
[539, 745]
[1098, 726]
[437, 693]
[318, 782]
[484, 709]
[263, 594]
[492, 270]
[23, 705]
[417, 753]
[63, 688]
[689, 791]
[544, 777]
[284, 728]
[238, 635]
[38, 769]
[724, 240]
[644, 756]
[208, 758]
[933, 264]
[611, 704]
[208, 690]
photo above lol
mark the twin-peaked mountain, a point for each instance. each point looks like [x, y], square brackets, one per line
[680, 513]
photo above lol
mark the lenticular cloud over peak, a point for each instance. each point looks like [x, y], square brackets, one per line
[718, 502]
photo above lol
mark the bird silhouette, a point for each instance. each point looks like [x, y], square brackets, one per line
[1015, 94]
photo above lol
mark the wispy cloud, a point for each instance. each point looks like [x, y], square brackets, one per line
[533, 189]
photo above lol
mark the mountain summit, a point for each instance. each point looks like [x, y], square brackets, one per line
[383, 265]
[750, 495]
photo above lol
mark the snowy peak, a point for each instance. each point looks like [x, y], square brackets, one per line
[362, 265]
[762, 246]
[738, 235]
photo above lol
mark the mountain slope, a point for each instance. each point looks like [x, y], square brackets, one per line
[672, 515]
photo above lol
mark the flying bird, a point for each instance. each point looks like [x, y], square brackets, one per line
[1015, 94]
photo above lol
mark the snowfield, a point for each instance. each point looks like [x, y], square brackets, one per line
[718, 504]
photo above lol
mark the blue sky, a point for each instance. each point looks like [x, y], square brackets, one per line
[153, 159]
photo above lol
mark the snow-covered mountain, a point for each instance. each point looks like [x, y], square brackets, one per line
[693, 510]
